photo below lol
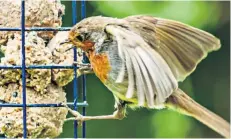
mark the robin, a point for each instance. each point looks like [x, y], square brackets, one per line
[141, 59]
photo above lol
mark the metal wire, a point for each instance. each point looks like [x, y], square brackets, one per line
[81, 104]
[75, 82]
[83, 15]
[23, 67]
[40, 67]
[36, 29]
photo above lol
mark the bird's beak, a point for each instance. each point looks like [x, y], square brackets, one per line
[84, 45]
[74, 41]
[76, 44]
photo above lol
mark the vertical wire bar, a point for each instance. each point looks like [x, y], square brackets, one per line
[83, 15]
[75, 82]
[84, 108]
[23, 67]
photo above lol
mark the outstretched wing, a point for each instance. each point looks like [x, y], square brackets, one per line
[180, 45]
[148, 73]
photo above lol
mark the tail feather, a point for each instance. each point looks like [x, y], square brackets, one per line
[182, 103]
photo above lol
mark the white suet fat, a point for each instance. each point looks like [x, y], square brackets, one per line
[38, 13]
[41, 122]
[57, 52]
[36, 54]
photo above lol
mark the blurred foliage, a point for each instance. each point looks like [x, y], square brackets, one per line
[168, 128]
[208, 84]
[188, 12]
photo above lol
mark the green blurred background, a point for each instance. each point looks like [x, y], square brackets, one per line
[209, 84]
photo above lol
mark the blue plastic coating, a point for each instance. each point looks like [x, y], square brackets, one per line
[75, 81]
[81, 104]
[39, 67]
[83, 15]
[37, 29]
[23, 55]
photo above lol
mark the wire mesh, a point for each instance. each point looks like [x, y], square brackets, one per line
[23, 67]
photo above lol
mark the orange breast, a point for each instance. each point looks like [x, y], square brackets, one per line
[100, 64]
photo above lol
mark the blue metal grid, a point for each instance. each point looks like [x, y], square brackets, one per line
[23, 67]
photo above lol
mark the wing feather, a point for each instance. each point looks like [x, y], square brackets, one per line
[208, 41]
[145, 68]
[131, 81]
[150, 91]
[181, 46]
[156, 53]
[139, 78]
[121, 74]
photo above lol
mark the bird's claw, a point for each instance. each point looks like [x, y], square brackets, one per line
[77, 115]
[79, 120]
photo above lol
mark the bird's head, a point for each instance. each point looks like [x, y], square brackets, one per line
[88, 32]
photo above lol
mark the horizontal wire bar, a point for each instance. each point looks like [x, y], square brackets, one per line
[48, 29]
[81, 104]
[10, 29]
[40, 67]
[37, 29]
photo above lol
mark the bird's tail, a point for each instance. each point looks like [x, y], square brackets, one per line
[182, 103]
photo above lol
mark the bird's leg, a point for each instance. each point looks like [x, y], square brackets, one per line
[77, 115]
[118, 114]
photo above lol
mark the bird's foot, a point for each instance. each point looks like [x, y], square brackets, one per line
[77, 115]
[118, 114]
[80, 118]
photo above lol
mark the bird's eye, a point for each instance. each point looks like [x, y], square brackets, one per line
[80, 38]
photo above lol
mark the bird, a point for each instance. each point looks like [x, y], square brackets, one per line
[141, 59]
